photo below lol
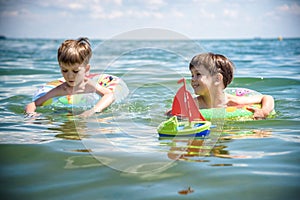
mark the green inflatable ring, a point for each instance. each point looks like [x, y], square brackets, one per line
[233, 113]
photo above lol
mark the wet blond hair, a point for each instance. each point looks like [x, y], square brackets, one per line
[215, 63]
[73, 52]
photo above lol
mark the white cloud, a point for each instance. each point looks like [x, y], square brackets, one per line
[154, 3]
[118, 2]
[12, 13]
[97, 12]
[16, 13]
[230, 13]
[207, 1]
[205, 14]
[105, 17]
[158, 15]
[75, 6]
[293, 9]
[115, 14]
[100, 14]
[177, 13]
[78, 4]
[143, 14]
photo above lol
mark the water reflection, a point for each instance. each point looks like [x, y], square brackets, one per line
[71, 130]
[193, 149]
[246, 134]
[75, 128]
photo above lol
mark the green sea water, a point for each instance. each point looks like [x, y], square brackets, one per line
[118, 154]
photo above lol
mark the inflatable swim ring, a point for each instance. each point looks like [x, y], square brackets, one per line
[233, 113]
[111, 82]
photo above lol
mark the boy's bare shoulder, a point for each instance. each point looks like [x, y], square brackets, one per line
[91, 86]
[61, 90]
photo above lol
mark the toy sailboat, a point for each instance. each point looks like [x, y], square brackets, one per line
[184, 106]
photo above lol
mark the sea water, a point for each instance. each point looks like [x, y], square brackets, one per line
[117, 154]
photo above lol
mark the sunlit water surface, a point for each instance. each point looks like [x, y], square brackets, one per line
[118, 154]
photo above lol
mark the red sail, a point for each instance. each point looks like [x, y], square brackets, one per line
[184, 104]
[179, 107]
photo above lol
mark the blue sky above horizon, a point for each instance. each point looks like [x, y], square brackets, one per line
[104, 19]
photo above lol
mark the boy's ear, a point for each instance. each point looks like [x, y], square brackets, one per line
[218, 79]
[87, 69]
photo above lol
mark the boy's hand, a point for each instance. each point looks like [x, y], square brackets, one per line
[30, 110]
[169, 113]
[32, 115]
[87, 113]
[257, 113]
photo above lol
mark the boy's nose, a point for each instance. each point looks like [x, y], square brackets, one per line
[70, 75]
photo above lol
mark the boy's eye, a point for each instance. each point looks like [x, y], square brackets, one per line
[64, 70]
[195, 75]
[75, 71]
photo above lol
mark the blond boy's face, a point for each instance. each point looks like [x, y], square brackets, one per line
[75, 74]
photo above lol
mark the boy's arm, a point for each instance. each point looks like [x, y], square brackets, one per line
[267, 106]
[31, 107]
[241, 101]
[106, 100]
[266, 101]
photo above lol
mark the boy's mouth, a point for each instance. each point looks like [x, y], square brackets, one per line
[195, 85]
[71, 83]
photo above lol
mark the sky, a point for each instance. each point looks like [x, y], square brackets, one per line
[105, 19]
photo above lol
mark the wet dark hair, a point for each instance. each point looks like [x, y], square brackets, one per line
[73, 52]
[215, 63]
